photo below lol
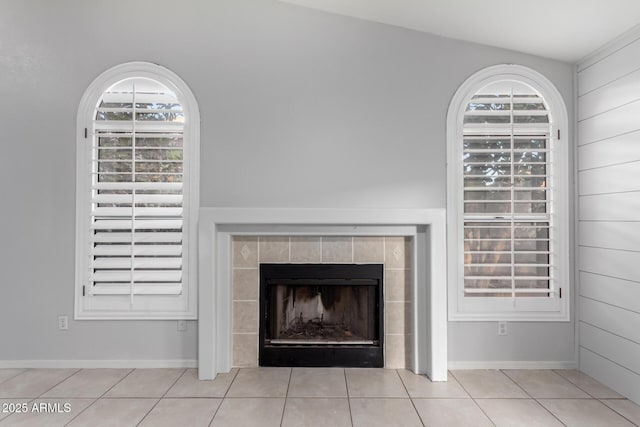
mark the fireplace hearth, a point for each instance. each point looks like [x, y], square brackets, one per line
[321, 315]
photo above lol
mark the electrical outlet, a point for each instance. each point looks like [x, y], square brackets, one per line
[502, 328]
[63, 322]
[182, 325]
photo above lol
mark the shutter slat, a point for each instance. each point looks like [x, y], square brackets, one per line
[139, 212]
[142, 126]
[507, 278]
[140, 198]
[141, 186]
[481, 113]
[141, 97]
[506, 265]
[140, 224]
[158, 135]
[138, 250]
[138, 110]
[506, 189]
[138, 276]
[140, 237]
[519, 201]
[509, 290]
[138, 289]
[112, 263]
[519, 129]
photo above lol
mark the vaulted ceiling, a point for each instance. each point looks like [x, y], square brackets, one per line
[566, 30]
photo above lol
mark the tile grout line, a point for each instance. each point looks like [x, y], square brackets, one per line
[346, 385]
[40, 396]
[473, 399]
[574, 384]
[459, 382]
[593, 396]
[614, 410]
[286, 396]
[534, 399]
[12, 377]
[30, 400]
[163, 395]
[413, 404]
[231, 383]
[54, 386]
[224, 396]
[483, 411]
[101, 396]
[117, 382]
[515, 382]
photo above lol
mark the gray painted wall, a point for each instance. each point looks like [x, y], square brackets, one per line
[609, 228]
[299, 109]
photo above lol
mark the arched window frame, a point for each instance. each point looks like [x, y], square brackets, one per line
[184, 305]
[556, 306]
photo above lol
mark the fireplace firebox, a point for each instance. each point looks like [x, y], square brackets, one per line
[321, 315]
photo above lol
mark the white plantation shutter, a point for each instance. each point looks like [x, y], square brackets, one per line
[137, 184]
[506, 192]
[508, 209]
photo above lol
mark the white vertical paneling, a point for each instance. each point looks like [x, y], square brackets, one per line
[608, 152]
[612, 67]
[610, 96]
[611, 262]
[613, 319]
[621, 149]
[610, 179]
[613, 347]
[609, 124]
[610, 207]
[610, 235]
[611, 374]
[624, 293]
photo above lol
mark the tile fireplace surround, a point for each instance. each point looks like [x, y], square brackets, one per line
[406, 241]
[393, 252]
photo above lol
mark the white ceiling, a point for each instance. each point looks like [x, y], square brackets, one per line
[566, 30]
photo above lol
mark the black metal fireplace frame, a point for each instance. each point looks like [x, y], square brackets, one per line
[325, 355]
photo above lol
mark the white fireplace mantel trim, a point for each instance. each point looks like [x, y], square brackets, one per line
[218, 225]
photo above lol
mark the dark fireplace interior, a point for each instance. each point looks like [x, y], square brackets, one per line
[321, 315]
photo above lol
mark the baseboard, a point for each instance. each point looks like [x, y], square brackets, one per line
[89, 364]
[192, 363]
[512, 364]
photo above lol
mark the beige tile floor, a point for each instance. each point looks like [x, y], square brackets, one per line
[308, 397]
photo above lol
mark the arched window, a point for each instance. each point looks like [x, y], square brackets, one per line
[507, 182]
[137, 196]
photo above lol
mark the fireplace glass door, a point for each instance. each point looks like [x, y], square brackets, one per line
[311, 312]
[321, 315]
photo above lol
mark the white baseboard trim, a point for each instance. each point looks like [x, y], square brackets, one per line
[90, 364]
[192, 363]
[512, 364]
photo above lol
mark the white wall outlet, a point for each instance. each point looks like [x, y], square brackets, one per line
[63, 322]
[182, 325]
[502, 328]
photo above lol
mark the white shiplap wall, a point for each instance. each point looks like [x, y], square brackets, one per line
[609, 215]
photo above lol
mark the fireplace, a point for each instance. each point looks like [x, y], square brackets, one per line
[321, 315]
[230, 251]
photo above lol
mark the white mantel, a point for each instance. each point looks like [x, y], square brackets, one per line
[426, 226]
